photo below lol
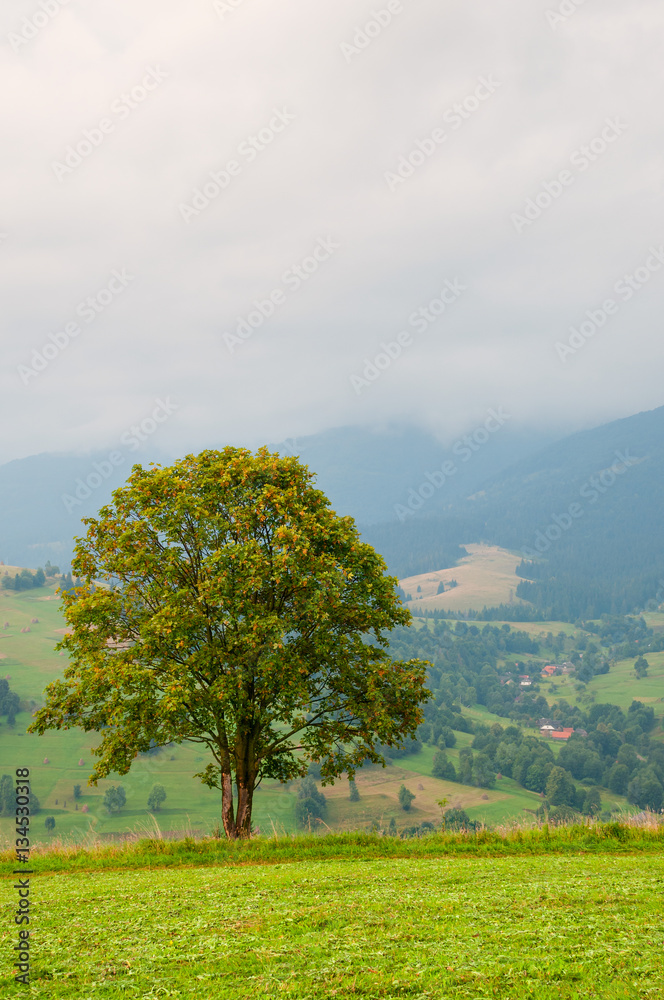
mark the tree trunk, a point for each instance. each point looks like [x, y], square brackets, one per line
[227, 815]
[245, 800]
[237, 825]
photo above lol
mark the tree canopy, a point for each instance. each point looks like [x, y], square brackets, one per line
[224, 602]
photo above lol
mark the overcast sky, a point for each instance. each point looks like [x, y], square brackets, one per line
[370, 158]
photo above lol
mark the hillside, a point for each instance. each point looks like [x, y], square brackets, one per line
[60, 760]
[585, 514]
[471, 664]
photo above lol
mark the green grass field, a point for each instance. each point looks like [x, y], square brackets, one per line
[30, 662]
[547, 926]
[619, 687]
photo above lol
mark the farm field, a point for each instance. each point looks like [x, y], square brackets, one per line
[485, 578]
[547, 926]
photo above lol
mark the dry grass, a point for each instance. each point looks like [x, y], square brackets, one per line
[486, 577]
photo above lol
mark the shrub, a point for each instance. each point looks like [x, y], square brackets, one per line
[457, 819]
[592, 802]
[563, 814]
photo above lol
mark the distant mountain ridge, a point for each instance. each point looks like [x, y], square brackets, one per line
[584, 511]
[366, 474]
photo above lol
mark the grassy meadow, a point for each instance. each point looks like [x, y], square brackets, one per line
[486, 577]
[549, 914]
[544, 925]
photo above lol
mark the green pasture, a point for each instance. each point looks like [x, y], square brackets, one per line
[621, 685]
[546, 927]
[30, 662]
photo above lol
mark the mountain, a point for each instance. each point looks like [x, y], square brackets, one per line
[366, 474]
[372, 474]
[44, 497]
[584, 512]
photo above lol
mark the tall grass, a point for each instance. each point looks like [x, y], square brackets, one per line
[148, 847]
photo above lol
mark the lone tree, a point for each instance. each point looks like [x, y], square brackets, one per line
[115, 798]
[156, 797]
[405, 798]
[641, 666]
[233, 608]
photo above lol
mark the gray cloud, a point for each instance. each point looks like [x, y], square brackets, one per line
[323, 176]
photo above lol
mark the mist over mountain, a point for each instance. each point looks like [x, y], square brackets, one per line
[584, 511]
[365, 474]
